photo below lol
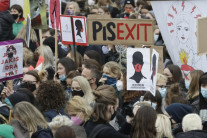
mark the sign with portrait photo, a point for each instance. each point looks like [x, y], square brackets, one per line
[11, 55]
[138, 69]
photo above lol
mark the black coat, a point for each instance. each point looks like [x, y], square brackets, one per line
[192, 134]
[6, 21]
[42, 133]
[109, 131]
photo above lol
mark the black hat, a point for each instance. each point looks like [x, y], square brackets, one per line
[129, 2]
[18, 97]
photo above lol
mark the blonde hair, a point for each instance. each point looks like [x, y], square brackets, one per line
[191, 122]
[27, 54]
[79, 105]
[86, 88]
[163, 126]
[30, 116]
[22, 34]
[76, 7]
[114, 68]
[58, 121]
[161, 77]
[47, 53]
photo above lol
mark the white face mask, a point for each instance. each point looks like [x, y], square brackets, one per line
[119, 85]
[91, 2]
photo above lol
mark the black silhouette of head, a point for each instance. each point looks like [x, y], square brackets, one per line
[79, 27]
[11, 51]
[137, 58]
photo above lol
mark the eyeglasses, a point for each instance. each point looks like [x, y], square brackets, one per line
[162, 86]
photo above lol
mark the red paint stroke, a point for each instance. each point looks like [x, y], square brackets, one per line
[174, 9]
[170, 24]
[119, 31]
[193, 9]
[55, 13]
[145, 30]
[183, 5]
[197, 16]
[171, 31]
[171, 15]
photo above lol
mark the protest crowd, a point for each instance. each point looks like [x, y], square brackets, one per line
[84, 93]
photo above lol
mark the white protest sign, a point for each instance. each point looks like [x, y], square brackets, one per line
[66, 29]
[177, 22]
[11, 64]
[28, 30]
[154, 70]
[138, 69]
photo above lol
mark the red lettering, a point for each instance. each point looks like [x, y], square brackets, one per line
[10, 60]
[130, 31]
[7, 74]
[11, 66]
[15, 66]
[170, 15]
[17, 58]
[170, 24]
[137, 31]
[16, 71]
[119, 31]
[145, 30]
[6, 61]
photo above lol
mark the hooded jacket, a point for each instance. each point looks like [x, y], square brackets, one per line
[6, 21]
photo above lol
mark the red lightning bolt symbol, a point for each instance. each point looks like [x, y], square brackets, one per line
[193, 9]
[170, 24]
[174, 9]
[183, 5]
[197, 16]
[171, 15]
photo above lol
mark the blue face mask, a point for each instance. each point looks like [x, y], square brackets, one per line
[64, 48]
[154, 106]
[156, 38]
[162, 92]
[110, 81]
[187, 84]
[62, 78]
[204, 92]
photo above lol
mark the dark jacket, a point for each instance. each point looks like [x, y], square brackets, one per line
[6, 21]
[192, 134]
[109, 131]
[49, 115]
[42, 133]
[194, 103]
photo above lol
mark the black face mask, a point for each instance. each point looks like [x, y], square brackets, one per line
[15, 16]
[29, 86]
[10, 55]
[77, 93]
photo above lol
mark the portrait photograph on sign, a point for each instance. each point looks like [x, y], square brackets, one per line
[154, 70]
[66, 29]
[80, 32]
[138, 69]
[11, 53]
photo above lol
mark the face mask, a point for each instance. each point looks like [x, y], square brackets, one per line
[62, 78]
[204, 92]
[69, 12]
[110, 80]
[129, 10]
[187, 84]
[138, 67]
[77, 93]
[29, 86]
[156, 38]
[119, 85]
[7, 101]
[91, 2]
[76, 120]
[154, 106]
[15, 16]
[162, 92]
[64, 48]
[69, 90]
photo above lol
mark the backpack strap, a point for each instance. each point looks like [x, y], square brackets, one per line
[97, 130]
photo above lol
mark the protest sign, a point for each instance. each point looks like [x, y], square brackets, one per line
[38, 14]
[77, 30]
[177, 23]
[28, 30]
[120, 31]
[24, 4]
[138, 69]
[154, 70]
[201, 35]
[54, 13]
[11, 65]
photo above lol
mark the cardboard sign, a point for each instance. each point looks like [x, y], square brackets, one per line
[177, 23]
[201, 35]
[54, 13]
[154, 70]
[138, 69]
[120, 31]
[28, 30]
[78, 28]
[11, 64]
[38, 14]
[24, 4]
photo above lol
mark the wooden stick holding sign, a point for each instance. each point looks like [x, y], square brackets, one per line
[56, 50]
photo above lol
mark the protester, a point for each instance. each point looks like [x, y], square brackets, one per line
[64, 132]
[72, 8]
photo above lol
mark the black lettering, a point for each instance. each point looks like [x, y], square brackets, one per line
[113, 36]
[104, 33]
[96, 30]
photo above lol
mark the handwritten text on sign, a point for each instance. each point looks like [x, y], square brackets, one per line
[120, 31]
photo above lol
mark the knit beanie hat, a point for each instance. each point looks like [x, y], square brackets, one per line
[18, 97]
[177, 111]
[6, 131]
[129, 2]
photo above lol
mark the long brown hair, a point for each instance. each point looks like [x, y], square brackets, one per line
[105, 95]
[144, 123]
[194, 84]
